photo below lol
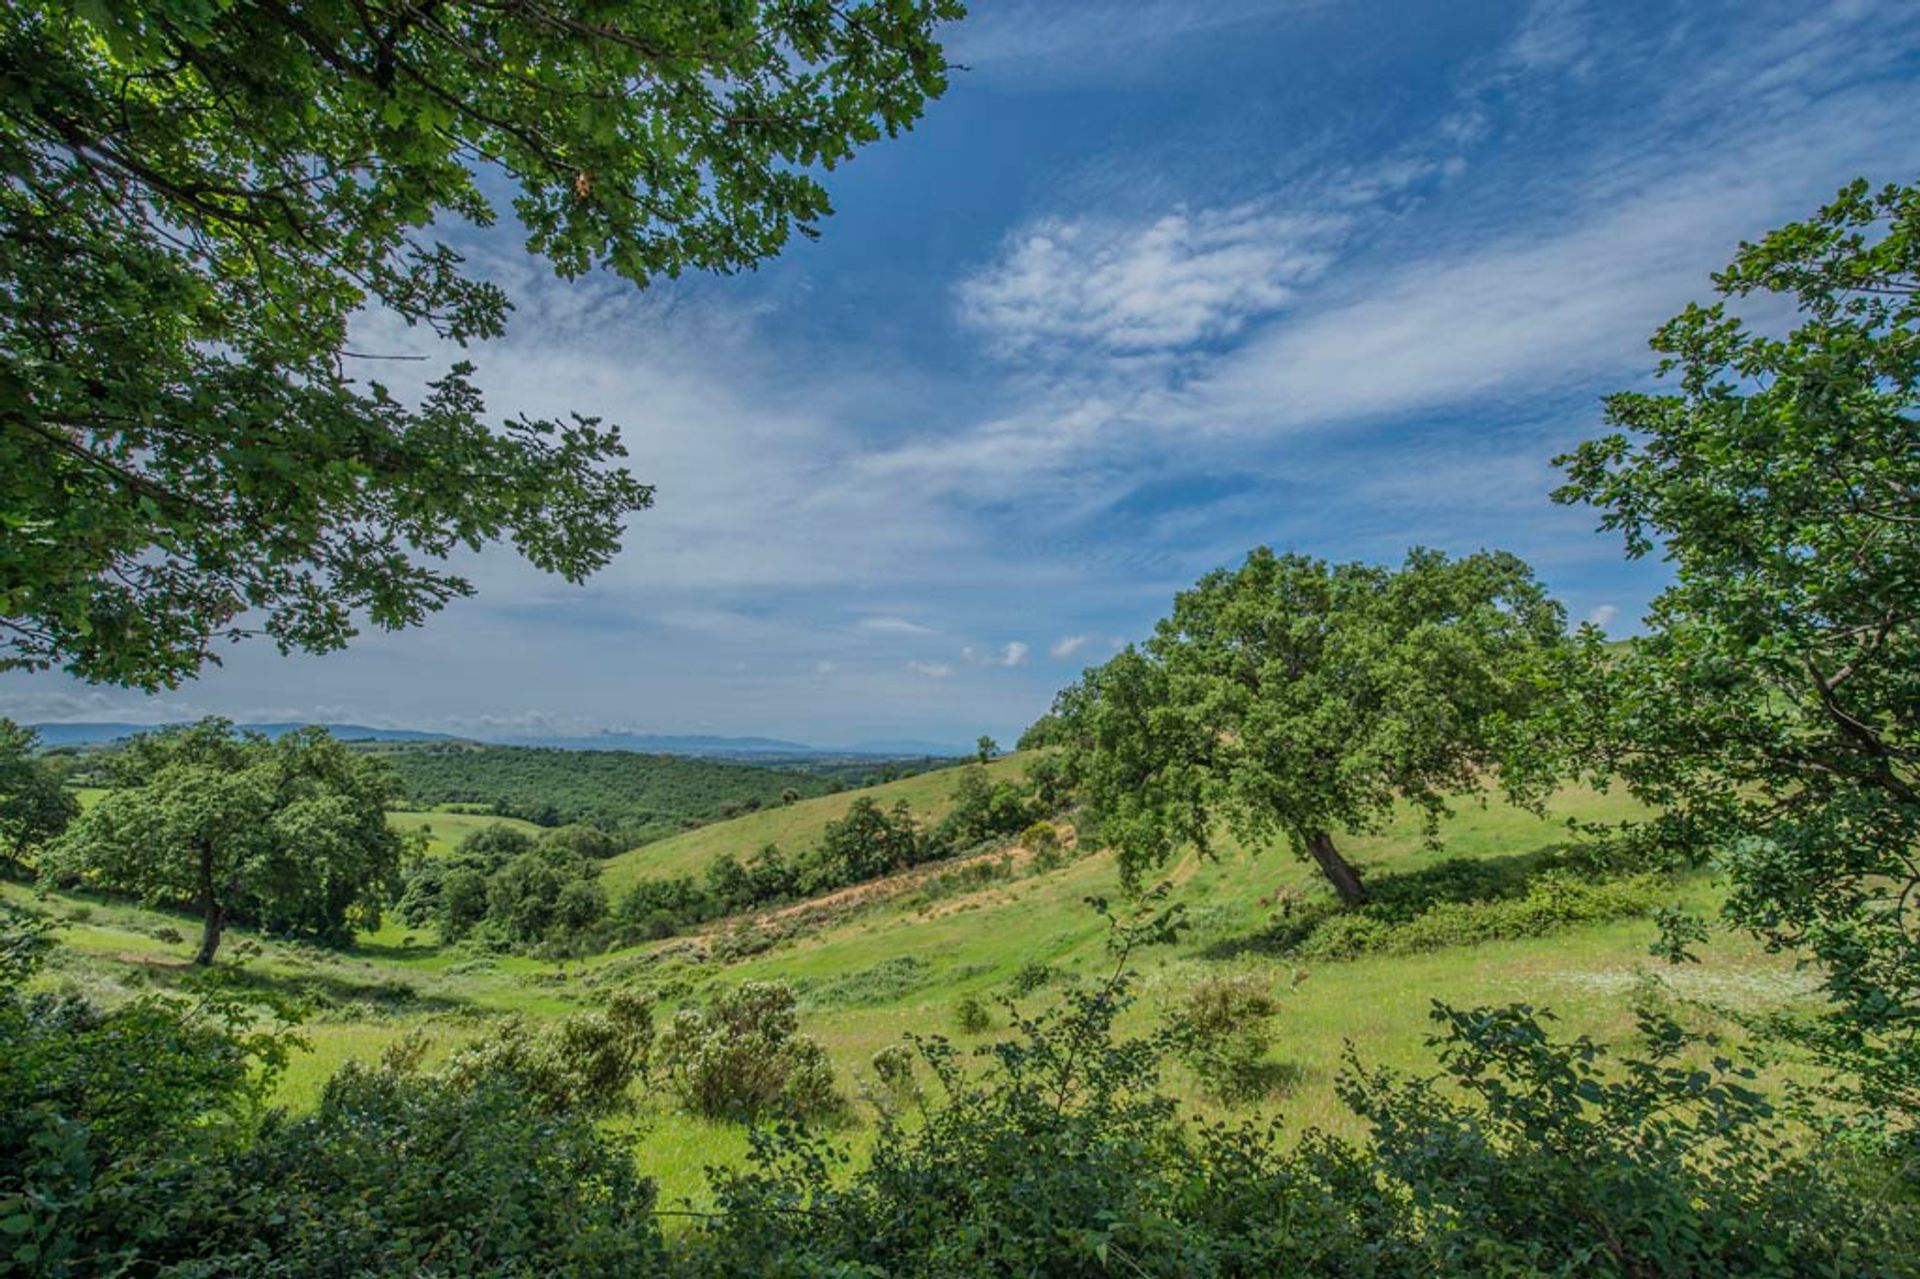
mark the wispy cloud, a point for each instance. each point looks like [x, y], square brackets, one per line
[882, 625]
[1066, 646]
[1012, 653]
[1052, 38]
[1189, 276]
[932, 670]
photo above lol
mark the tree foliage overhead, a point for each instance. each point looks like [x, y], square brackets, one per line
[1296, 698]
[290, 834]
[198, 200]
[1773, 711]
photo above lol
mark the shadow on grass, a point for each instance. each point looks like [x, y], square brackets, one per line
[1249, 1084]
[1399, 897]
[321, 992]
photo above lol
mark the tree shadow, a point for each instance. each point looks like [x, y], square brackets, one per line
[1251, 1083]
[1398, 897]
[322, 992]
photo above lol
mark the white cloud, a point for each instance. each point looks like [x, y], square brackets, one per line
[1186, 277]
[1055, 37]
[1603, 615]
[882, 625]
[1012, 653]
[1066, 646]
[824, 668]
[932, 670]
[1554, 34]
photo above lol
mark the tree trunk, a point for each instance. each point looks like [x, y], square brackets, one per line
[214, 913]
[1344, 878]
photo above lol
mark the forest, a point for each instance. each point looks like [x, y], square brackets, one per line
[636, 798]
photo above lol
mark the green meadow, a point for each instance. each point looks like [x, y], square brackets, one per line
[893, 960]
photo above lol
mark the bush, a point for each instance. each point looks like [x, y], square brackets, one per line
[1553, 900]
[893, 1075]
[584, 1062]
[1531, 1157]
[1042, 836]
[971, 1016]
[889, 979]
[403, 1172]
[742, 1057]
[106, 1113]
[1031, 976]
[1223, 1031]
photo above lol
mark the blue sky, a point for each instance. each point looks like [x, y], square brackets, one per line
[1153, 284]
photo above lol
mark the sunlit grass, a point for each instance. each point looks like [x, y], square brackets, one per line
[398, 980]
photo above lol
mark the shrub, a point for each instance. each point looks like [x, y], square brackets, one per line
[583, 1062]
[971, 1016]
[1554, 900]
[1042, 836]
[1222, 1032]
[1531, 1157]
[1031, 976]
[886, 980]
[893, 1073]
[743, 1056]
[404, 1172]
[106, 1114]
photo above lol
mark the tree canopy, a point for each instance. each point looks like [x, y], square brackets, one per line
[200, 202]
[290, 834]
[34, 805]
[1773, 709]
[1295, 698]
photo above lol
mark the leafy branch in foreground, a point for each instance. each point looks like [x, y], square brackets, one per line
[198, 202]
[1528, 1155]
[1772, 712]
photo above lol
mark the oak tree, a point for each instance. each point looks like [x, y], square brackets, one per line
[1294, 698]
[290, 835]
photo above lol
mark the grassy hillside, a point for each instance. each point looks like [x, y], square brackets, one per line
[445, 830]
[794, 827]
[640, 797]
[873, 970]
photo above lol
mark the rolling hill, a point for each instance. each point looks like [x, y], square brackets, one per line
[882, 964]
[637, 797]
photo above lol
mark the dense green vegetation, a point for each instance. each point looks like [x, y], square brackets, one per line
[290, 834]
[634, 797]
[864, 844]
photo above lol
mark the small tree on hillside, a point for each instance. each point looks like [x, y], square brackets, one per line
[291, 834]
[1297, 698]
[986, 748]
[34, 806]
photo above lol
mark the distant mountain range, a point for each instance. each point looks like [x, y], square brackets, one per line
[93, 734]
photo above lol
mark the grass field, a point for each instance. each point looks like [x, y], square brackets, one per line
[445, 830]
[878, 971]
